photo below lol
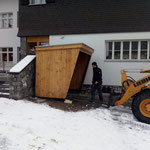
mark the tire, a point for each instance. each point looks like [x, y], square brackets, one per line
[141, 106]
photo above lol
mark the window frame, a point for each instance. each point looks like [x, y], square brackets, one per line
[7, 18]
[7, 52]
[39, 2]
[139, 56]
[126, 50]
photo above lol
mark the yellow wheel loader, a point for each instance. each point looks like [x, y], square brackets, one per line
[139, 91]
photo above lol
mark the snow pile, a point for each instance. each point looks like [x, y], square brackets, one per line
[28, 126]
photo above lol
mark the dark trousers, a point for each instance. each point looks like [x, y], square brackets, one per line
[98, 88]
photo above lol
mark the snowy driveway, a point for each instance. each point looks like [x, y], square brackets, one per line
[29, 126]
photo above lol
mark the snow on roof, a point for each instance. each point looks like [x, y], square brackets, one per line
[22, 64]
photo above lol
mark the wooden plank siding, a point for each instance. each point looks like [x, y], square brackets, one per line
[79, 72]
[55, 68]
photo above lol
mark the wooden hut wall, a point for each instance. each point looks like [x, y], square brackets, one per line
[80, 71]
[54, 70]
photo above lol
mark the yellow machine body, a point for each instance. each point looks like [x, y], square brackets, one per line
[132, 87]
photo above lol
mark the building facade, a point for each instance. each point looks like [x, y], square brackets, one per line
[9, 42]
[118, 31]
[113, 52]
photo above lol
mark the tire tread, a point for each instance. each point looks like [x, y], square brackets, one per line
[138, 98]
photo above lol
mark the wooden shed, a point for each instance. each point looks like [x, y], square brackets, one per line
[60, 68]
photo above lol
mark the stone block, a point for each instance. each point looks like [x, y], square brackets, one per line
[23, 84]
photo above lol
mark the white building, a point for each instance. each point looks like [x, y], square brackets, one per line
[118, 31]
[9, 42]
[127, 51]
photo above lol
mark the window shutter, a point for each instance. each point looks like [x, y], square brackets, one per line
[24, 2]
[50, 1]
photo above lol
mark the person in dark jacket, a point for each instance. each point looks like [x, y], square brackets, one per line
[96, 83]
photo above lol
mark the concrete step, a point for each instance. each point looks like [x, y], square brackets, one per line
[4, 77]
[6, 95]
[4, 86]
[4, 90]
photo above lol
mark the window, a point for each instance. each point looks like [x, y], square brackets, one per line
[31, 47]
[44, 43]
[128, 50]
[6, 20]
[109, 50]
[134, 50]
[117, 49]
[6, 54]
[35, 2]
[144, 47]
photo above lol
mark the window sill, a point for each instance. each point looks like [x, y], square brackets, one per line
[36, 4]
[127, 61]
[7, 28]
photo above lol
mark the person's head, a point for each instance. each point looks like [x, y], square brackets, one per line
[94, 64]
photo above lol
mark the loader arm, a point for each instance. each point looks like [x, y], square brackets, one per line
[134, 87]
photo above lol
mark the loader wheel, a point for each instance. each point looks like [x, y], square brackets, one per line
[141, 106]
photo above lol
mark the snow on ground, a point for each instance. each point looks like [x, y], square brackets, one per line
[28, 126]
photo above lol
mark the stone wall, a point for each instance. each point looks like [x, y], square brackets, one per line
[22, 84]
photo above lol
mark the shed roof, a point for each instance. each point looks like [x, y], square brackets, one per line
[83, 48]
